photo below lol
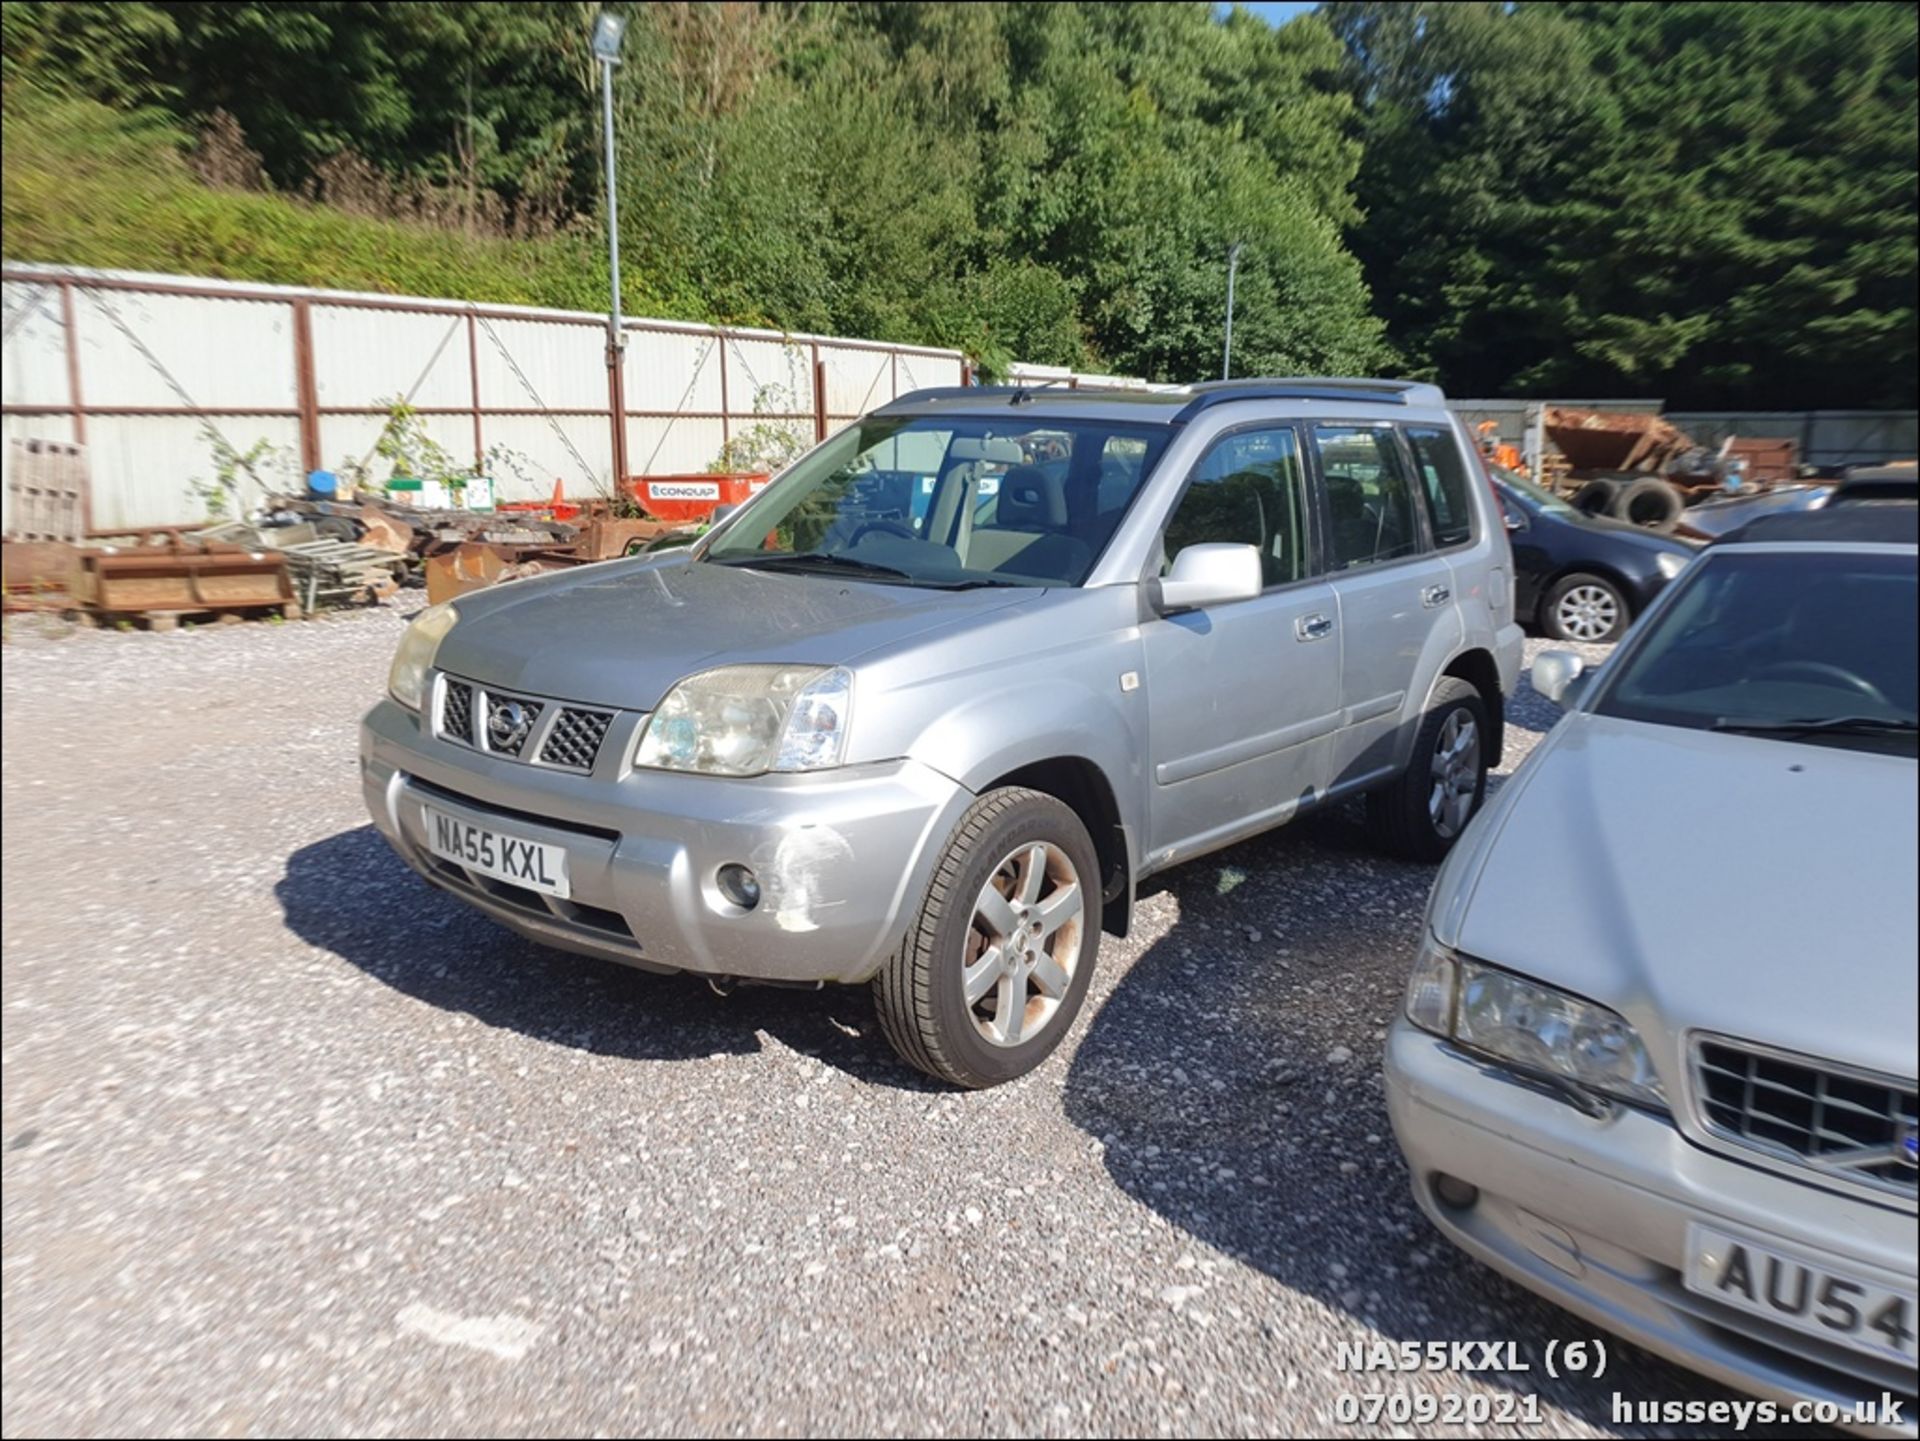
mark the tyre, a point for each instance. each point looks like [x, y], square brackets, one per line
[1584, 608]
[1652, 503]
[997, 962]
[336, 527]
[1422, 814]
[1596, 497]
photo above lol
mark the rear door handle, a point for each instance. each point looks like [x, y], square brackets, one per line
[1435, 595]
[1313, 627]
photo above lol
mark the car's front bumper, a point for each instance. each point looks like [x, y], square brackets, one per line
[842, 857]
[1593, 1214]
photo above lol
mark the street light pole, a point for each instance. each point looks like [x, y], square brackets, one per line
[1233, 264]
[608, 31]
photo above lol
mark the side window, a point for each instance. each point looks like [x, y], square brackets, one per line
[1443, 479]
[1369, 496]
[1247, 490]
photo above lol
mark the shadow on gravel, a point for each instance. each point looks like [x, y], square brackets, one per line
[1234, 1075]
[349, 894]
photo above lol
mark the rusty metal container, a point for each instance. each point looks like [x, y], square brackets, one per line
[181, 577]
[1613, 440]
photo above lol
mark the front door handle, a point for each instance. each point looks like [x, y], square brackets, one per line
[1313, 627]
[1435, 595]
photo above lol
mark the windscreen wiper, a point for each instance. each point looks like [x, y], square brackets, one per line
[1858, 725]
[814, 560]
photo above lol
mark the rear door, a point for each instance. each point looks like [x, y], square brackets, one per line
[1242, 699]
[1393, 590]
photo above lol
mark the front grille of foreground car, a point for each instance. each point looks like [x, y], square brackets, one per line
[1847, 1125]
[509, 724]
[575, 738]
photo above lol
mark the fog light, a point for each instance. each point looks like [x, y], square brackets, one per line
[1455, 1193]
[739, 886]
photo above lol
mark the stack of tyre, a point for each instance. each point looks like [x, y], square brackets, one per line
[1643, 500]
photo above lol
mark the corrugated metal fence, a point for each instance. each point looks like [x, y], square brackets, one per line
[144, 369]
[1825, 437]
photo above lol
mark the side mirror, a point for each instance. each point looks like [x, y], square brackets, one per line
[1515, 522]
[1211, 574]
[1559, 675]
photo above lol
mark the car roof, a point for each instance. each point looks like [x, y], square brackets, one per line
[1894, 524]
[1170, 405]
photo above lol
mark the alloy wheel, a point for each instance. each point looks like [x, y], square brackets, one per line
[1587, 612]
[1024, 943]
[1455, 770]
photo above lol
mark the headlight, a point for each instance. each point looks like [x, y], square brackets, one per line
[742, 720]
[1530, 1026]
[1670, 563]
[407, 681]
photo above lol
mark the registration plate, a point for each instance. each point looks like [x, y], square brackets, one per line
[532, 864]
[1791, 1292]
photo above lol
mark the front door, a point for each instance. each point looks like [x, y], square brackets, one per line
[1242, 699]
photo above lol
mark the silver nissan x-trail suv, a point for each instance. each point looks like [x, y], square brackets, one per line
[926, 710]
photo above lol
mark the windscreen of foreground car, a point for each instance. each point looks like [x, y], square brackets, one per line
[1815, 647]
[948, 501]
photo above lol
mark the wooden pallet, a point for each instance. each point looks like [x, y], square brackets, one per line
[165, 620]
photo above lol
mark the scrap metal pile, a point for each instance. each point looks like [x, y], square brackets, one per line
[298, 555]
[1644, 469]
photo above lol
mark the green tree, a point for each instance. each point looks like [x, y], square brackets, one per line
[1714, 203]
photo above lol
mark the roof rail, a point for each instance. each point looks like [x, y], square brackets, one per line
[948, 392]
[1210, 393]
[1014, 394]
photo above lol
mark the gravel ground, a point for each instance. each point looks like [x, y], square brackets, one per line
[293, 1143]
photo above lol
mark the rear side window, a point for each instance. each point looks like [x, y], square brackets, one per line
[1443, 480]
[1369, 496]
[1247, 490]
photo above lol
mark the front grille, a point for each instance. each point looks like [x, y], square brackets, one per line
[528, 729]
[456, 712]
[1848, 1125]
[575, 739]
[510, 721]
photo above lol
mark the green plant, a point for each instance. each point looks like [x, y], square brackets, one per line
[221, 495]
[765, 446]
[407, 451]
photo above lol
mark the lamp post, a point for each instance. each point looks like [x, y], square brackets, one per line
[1233, 264]
[608, 31]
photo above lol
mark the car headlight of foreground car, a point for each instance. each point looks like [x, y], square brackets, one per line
[407, 681]
[1670, 563]
[1532, 1027]
[744, 720]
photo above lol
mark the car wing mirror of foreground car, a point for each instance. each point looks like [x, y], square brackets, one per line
[1560, 676]
[1210, 574]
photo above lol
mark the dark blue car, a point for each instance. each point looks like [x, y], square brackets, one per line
[1579, 577]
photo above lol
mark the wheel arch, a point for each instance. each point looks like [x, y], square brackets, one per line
[1084, 788]
[1478, 668]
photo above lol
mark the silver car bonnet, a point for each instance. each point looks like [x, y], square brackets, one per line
[1758, 888]
[622, 633]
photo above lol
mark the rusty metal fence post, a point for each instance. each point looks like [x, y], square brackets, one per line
[75, 400]
[306, 386]
[473, 390]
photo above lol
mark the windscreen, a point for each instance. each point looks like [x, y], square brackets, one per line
[949, 501]
[1811, 645]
